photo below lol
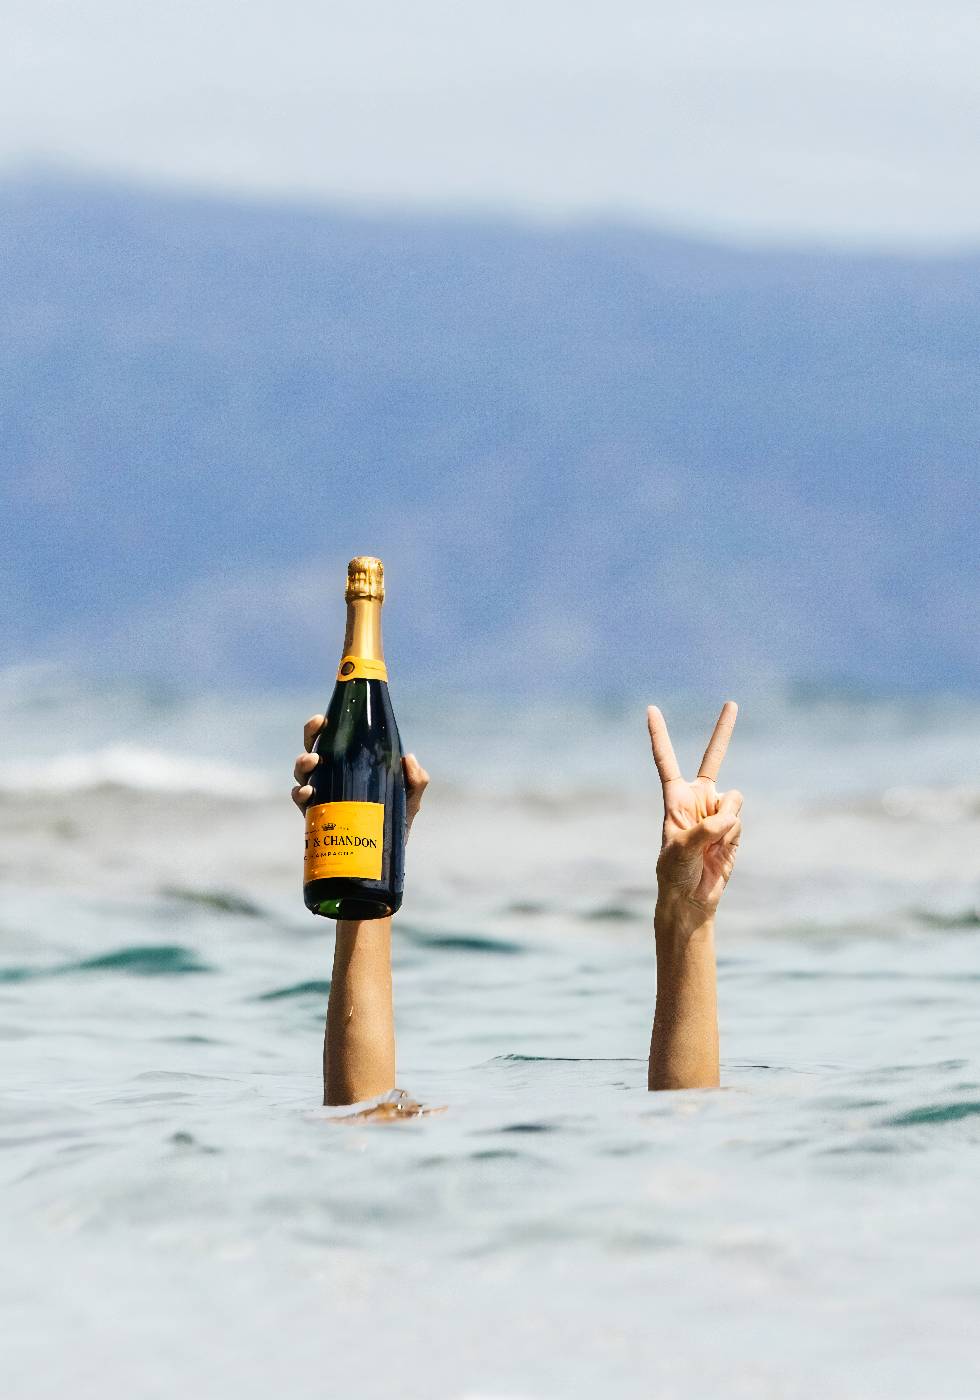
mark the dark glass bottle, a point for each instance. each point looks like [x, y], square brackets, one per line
[354, 866]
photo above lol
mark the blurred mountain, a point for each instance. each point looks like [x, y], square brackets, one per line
[584, 453]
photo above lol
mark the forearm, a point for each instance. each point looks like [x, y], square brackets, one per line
[359, 1044]
[684, 1044]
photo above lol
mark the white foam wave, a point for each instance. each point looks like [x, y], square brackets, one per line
[140, 769]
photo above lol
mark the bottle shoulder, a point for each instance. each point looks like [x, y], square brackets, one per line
[360, 715]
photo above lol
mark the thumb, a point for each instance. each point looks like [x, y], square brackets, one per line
[416, 778]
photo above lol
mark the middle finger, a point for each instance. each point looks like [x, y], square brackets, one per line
[718, 743]
[304, 766]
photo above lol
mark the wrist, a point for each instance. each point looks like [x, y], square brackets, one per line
[679, 917]
[370, 932]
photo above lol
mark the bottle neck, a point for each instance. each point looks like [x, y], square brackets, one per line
[363, 635]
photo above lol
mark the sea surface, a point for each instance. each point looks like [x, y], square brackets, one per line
[181, 1217]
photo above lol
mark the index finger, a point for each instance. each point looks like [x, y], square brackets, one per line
[311, 729]
[663, 750]
[714, 754]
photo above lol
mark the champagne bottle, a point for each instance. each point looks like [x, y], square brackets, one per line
[354, 866]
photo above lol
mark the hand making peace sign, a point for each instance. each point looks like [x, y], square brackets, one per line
[701, 825]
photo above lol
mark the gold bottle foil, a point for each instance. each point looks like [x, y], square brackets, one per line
[363, 656]
[365, 579]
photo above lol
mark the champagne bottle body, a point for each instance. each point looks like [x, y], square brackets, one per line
[354, 864]
[359, 778]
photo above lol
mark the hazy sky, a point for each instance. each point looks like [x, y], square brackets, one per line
[844, 119]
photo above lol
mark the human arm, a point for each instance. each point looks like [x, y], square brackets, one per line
[701, 832]
[359, 1039]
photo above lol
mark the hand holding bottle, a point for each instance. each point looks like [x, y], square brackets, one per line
[416, 777]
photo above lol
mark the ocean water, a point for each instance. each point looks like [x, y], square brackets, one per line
[181, 1217]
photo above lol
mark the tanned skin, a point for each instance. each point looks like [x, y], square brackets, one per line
[701, 831]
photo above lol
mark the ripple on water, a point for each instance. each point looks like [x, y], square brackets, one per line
[498, 1154]
[216, 901]
[461, 942]
[159, 960]
[935, 1113]
[188, 1142]
[20, 974]
[179, 1074]
[188, 1040]
[962, 918]
[612, 914]
[298, 989]
[147, 960]
[528, 1128]
[568, 1059]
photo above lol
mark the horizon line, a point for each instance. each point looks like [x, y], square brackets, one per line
[44, 172]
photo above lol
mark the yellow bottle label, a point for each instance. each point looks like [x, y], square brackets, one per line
[354, 668]
[344, 839]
